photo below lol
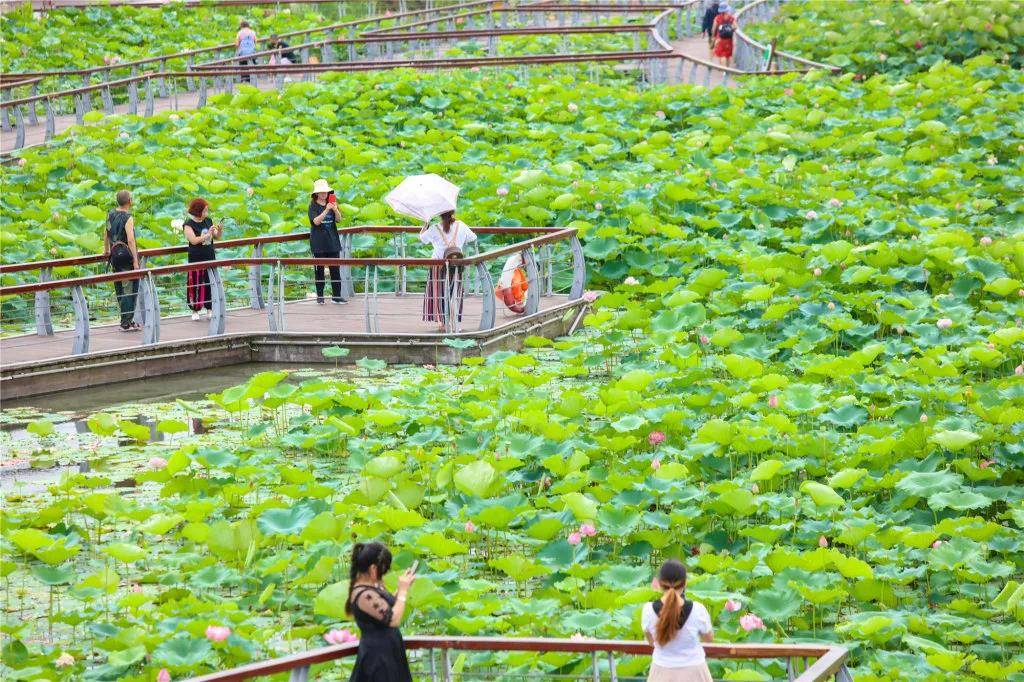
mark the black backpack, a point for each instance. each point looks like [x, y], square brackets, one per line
[683, 617]
[725, 30]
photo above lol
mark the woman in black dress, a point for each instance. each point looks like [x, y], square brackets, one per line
[200, 231]
[381, 656]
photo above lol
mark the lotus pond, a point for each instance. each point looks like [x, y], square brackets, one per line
[804, 376]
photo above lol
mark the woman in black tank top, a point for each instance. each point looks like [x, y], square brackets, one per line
[123, 255]
[200, 231]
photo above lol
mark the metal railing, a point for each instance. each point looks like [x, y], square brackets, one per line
[750, 54]
[391, 289]
[597, 659]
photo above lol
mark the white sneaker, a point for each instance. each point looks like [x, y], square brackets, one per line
[207, 313]
[195, 317]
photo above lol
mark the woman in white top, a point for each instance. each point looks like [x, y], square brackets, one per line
[448, 239]
[676, 627]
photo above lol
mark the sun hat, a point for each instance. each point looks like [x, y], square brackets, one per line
[724, 8]
[321, 186]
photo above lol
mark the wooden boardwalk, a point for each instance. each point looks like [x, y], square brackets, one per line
[398, 315]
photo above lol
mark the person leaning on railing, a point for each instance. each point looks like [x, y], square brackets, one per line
[444, 282]
[324, 240]
[675, 626]
[378, 613]
[200, 231]
[122, 255]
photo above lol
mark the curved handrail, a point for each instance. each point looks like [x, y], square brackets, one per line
[830, 658]
[8, 268]
[742, 36]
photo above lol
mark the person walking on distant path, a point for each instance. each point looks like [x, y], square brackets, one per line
[123, 255]
[723, 28]
[200, 231]
[378, 613]
[708, 24]
[675, 627]
[324, 240]
[245, 46]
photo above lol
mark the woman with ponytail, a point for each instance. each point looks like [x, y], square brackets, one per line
[675, 627]
[378, 614]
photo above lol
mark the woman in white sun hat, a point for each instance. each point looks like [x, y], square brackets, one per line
[324, 240]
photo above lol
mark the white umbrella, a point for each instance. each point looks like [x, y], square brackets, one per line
[423, 196]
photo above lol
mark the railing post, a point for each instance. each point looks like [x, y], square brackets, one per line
[579, 269]
[133, 96]
[149, 96]
[595, 668]
[347, 289]
[366, 301]
[202, 92]
[487, 298]
[19, 133]
[271, 302]
[446, 665]
[299, 674]
[613, 674]
[108, 100]
[280, 297]
[151, 327]
[255, 274]
[140, 299]
[843, 674]
[218, 317]
[376, 301]
[532, 303]
[44, 323]
[81, 344]
[51, 121]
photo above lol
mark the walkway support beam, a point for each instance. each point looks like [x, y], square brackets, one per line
[81, 306]
[218, 313]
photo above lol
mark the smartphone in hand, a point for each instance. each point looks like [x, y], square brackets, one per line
[331, 199]
[415, 566]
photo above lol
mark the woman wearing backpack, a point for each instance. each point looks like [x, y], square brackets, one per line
[245, 45]
[723, 29]
[675, 627]
[122, 255]
[444, 282]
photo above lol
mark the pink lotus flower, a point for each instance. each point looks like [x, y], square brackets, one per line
[22, 162]
[1020, 293]
[655, 463]
[986, 463]
[944, 323]
[589, 296]
[575, 538]
[732, 606]
[656, 438]
[907, 2]
[831, 305]
[340, 637]
[988, 26]
[630, 281]
[817, 272]
[754, 488]
[834, 203]
[985, 241]
[992, 160]
[788, 91]
[502, 191]
[1019, 370]
[659, 114]
[936, 544]
[64, 660]
[163, 675]
[923, 419]
[918, 45]
[882, 57]
[56, 215]
[588, 530]
[751, 622]
[249, 191]
[822, 541]
[704, 339]
[475, 69]
[157, 463]
[123, 135]
[598, 206]
[773, 401]
[470, 527]
[572, 107]
[217, 633]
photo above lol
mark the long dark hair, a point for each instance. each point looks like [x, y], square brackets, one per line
[447, 220]
[672, 577]
[365, 555]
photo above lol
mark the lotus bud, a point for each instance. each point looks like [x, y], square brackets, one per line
[470, 527]
[647, 186]
[704, 339]
[574, 538]
[773, 401]
[936, 544]
[572, 107]
[22, 162]
[924, 418]
[1019, 370]
[811, 215]
[598, 206]
[630, 281]
[831, 305]
[502, 191]
[817, 272]
[871, 408]
[217, 633]
[900, 330]
[157, 463]
[822, 541]
[985, 464]
[944, 323]
[660, 114]
[882, 57]
[163, 675]
[834, 203]
[1020, 293]
[788, 92]
[992, 160]
[655, 463]
[123, 135]
[732, 606]
[985, 241]
[249, 191]
[918, 45]
[988, 26]
[754, 488]
[589, 296]
[796, 297]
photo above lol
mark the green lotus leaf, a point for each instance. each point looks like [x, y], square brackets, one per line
[822, 495]
[475, 478]
[954, 440]
[182, 650]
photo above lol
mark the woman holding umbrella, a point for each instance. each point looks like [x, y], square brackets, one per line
[427, 197]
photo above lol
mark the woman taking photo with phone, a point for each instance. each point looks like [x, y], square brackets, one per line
[200, 231]
[378, 614]
[676, 626]
[324, 240]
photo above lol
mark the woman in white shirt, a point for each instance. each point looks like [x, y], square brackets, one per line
[676, 627]
[448, 239]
